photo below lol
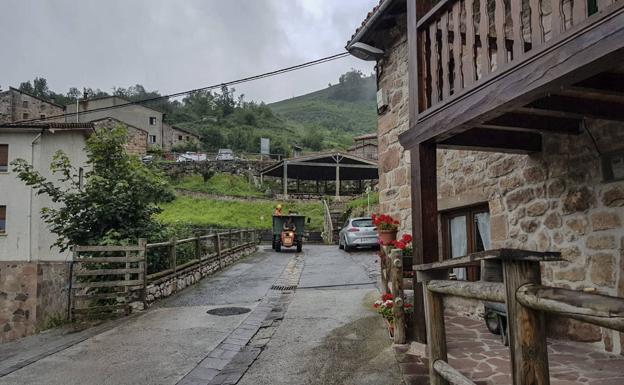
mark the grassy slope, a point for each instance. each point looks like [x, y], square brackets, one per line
[234, 214]
[220, 184]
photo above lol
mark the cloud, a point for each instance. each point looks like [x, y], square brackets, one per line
[172, 46]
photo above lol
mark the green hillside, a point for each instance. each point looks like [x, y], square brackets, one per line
[342, 109]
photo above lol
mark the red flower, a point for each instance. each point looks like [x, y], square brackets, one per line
[407, 238]
[386, 297]
[376, 305]
[400, 245]
[373, 217]
[407, 305]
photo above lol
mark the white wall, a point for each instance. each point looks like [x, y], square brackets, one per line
[24, 239]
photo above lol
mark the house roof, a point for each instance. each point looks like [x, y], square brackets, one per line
[55, 127]
[128, 102]
[372, 135]
[182, 129]
[322, 166]
[36, 97]
[376, 18]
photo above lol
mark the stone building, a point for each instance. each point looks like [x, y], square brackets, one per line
[16, 105]
[135, 115]
[137, 138]
[568, 197]
[33, 274]
[175, 135]
[364, 146]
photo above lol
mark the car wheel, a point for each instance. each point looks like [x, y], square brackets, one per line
[340, 245]
[347, 247]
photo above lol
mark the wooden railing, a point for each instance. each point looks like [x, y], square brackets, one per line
[105, 280]
[328, 225]
[526, 300]
[460, 43]
[199, 249]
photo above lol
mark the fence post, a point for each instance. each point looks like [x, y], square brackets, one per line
[198, 248]
[172, 254]
[218, 241]
[143, 266]
[396, 272]
[527, 329]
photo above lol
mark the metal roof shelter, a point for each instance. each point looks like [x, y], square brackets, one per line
[322, 167]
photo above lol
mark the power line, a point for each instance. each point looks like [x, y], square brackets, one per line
[207, 88]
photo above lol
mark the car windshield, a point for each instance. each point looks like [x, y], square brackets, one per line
[362, 223]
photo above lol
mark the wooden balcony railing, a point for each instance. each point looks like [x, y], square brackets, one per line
[460, 43]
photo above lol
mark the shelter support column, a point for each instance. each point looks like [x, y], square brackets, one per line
[424, 224]
[337, 181]
[285, 179]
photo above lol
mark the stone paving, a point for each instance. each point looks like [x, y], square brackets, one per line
[229, 361]
[480, 355]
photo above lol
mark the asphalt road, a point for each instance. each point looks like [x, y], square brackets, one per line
[328, 334]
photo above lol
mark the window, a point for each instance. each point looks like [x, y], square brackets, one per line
[152, 120]
[613, 166]
[4, 157]
[42, 116]
[466, 231]
[179, 137]
[25, 115]
[2, 219]
[152, 139]
[25, 104]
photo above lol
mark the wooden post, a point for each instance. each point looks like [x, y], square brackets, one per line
[143, 267]
[396, 272]
[383, 265]
[198, 248]
[436, 333]
[172, 254]
[230, 239]
[218, 247]
[527, 328]
[424, 224]
[285, 179]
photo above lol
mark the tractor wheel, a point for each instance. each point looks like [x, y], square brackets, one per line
[278, 246]
[273, 243]
[299, 246]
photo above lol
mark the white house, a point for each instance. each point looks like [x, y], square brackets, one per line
[32, 272]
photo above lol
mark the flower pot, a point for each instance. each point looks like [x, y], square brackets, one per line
[386, 236]
[390, 327]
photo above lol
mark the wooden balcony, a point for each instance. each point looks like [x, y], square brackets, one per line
[495, 74]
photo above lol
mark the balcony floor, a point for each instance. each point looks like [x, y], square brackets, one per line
[477, 353]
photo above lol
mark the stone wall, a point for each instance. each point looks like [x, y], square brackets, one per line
[31, 294]
[169, 285]
[551, 201]
[137, 138]
[394, 161]
[16, 106]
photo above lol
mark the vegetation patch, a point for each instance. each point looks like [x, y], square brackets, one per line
[202, 212]
[220, 184]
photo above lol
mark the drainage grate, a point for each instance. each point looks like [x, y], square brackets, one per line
[226, 311]
[283, 287]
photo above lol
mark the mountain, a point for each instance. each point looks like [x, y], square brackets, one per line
[340, 111]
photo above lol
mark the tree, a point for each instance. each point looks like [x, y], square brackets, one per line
[117, 202]
[313, 139]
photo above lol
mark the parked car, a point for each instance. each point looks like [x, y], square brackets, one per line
[357, 232]
[191, 157]
[225, 154]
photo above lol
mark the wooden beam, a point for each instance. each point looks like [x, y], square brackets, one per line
[483, 139]
[611, 80]
[531, 122]
[592, 47]
[593, 94]
[589, 108]
[424, 223]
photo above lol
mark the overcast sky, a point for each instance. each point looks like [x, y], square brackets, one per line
[172, 46]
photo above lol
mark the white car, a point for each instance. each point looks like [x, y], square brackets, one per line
[225, 154]
[191, 157]
[358, 232]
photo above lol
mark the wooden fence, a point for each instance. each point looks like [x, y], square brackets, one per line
[105, 280]
[527, 301]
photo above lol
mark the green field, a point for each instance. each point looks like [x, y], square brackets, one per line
[220, 184]
[203, 212]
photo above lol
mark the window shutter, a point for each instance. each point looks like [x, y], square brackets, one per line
[4, 157]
